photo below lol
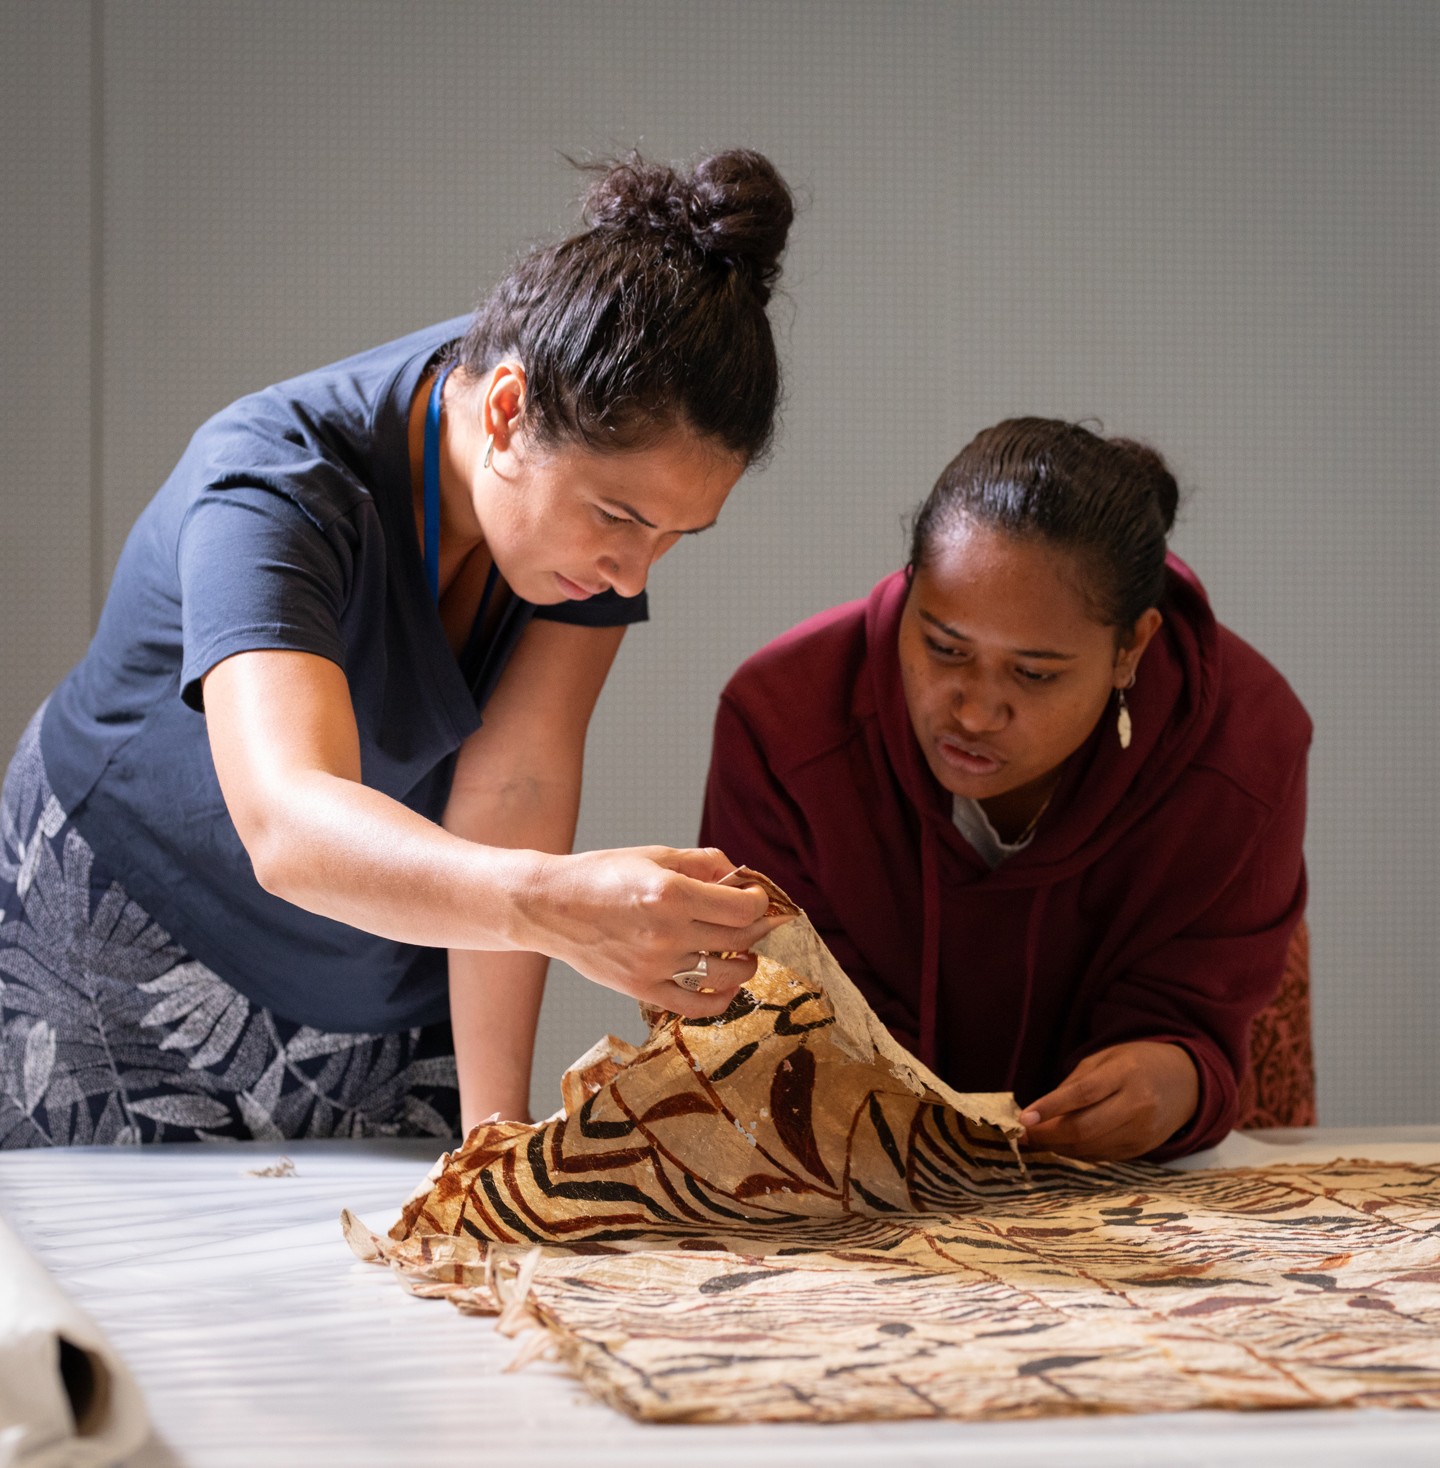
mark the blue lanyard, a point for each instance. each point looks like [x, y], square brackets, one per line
[432, 507]
[432, 485]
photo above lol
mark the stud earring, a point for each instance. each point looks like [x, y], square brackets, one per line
[1122, 724]
[489, 450]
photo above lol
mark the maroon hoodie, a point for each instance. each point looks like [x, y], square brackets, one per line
[1155, 901]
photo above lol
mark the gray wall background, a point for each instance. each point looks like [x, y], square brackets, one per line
[1212, 225]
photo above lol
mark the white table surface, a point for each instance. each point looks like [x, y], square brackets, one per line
[261, 1343]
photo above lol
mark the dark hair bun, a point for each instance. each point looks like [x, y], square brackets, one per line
[733, 206]
[1155, 473]
[653, 317]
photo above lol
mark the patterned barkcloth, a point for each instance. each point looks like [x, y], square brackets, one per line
[781, 1215]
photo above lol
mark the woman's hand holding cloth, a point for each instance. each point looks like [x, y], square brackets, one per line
[282, 731]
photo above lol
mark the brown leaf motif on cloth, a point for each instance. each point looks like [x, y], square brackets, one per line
[779, 1214]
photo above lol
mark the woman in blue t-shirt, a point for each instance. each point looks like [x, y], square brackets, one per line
[258, 852]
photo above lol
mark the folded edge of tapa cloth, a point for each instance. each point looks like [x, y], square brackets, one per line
[858, 1030]
[66, 1398]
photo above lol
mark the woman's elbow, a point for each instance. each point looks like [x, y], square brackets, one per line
[273, 858]
[519, 809]
[283, 849]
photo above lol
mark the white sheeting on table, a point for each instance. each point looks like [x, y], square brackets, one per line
[261, 1343]
[1318, 1144]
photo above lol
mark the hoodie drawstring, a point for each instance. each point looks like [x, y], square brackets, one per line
[1032, 944]
[930, 955]
[929, 943]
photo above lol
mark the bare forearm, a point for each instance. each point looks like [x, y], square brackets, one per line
[495, 997]
[494, 1009]
[287, 754]
[351, 853]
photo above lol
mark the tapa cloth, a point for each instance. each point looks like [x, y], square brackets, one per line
[778, 1214]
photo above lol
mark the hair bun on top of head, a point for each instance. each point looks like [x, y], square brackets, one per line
[654, 316]
[732, 206]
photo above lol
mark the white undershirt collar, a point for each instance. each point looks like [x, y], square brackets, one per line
[974, 825]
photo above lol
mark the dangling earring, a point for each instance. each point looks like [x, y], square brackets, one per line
[1122, 724]
[489, 449]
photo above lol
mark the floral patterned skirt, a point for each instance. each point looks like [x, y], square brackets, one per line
[111, 1033]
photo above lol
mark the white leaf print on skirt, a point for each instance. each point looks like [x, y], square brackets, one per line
[257, 1105]
[182, 1110]
[307, 1043]
[111, 1033]
[187, 987]
[39, 1062]
[214, 1013]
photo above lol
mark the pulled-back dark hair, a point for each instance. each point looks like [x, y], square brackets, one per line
[654, 317]
[1111, 502]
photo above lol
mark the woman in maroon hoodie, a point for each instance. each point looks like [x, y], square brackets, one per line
[1044, 809]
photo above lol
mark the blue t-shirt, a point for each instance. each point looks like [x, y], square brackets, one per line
[288, 523]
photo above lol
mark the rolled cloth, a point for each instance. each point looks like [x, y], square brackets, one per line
[66, 1398]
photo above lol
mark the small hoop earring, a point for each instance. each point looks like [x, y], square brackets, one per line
[489, 450]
